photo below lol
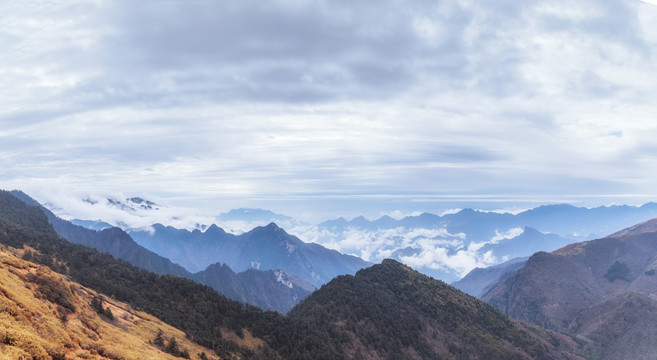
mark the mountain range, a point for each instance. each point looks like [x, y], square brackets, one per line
[440, 245]
[270, 290]
[387, 311]
[445, 246]
[263, 248]
[565, 220]
[592, 299]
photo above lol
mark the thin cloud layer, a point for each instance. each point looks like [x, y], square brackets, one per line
[294, 105]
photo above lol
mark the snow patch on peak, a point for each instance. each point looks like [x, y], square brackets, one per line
[282, 278]
[255, 265]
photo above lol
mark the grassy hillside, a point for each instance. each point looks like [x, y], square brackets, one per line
[45, 316]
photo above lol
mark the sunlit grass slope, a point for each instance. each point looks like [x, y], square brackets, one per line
[45, 316]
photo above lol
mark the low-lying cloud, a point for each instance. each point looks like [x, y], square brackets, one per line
[423, 249]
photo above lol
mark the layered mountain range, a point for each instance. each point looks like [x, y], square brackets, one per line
[566, 220]
[445, 246]
[270, 290]
[387, 311]
[437, 245]
[593, 299]
[263, 248]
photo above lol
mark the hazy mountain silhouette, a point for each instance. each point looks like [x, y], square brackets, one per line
[264, 248]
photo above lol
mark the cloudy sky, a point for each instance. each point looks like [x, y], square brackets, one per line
[305, 106]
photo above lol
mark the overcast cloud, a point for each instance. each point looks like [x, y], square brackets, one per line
[298, 105]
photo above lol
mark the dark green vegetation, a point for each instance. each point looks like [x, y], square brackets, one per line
[390, 311]
[171, 347]
[113, 241]
[601, 290]
[618, 271]
[53, 291]
[385, 312]
[98, 304]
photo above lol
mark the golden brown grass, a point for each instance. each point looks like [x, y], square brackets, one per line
[33, 327]
[247, 341]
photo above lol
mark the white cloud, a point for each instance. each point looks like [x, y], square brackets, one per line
[398, 214]
[450, 211]
[430, 248]
[459, 263]
[509, 234]
[499, 236]
[301, 104]
[98, 207]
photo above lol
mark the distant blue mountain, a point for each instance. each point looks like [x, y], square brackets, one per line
[92, 224]
[567, 221]
[527, 243]
[254, 215]
[143, 203]
[477, 236]
[269, 290]
[479, 280]
[264, 248]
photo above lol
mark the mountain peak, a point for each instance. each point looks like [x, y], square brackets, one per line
[24, 197]
[140, 201]
[528, 230]
[393, 293]
[272, 225]
[392, 262]
[214, 229]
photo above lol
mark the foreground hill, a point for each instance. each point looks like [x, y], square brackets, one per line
[264, 248]
[45, 316]
[603, 289]
[268, 290]
[390, 311]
